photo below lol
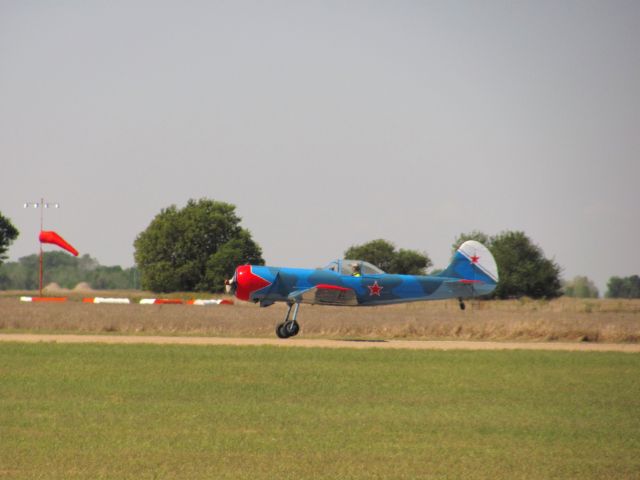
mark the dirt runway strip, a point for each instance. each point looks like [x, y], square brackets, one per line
[322, 343]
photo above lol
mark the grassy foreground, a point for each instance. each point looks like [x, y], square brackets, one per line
[140, 411]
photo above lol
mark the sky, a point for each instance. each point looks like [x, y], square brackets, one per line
[327, 123]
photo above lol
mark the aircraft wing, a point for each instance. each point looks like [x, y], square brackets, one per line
[326, 295]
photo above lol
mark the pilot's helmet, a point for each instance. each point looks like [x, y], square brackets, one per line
[355, 266]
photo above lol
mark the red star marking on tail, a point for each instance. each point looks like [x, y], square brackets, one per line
[374, 289]
[475, 259]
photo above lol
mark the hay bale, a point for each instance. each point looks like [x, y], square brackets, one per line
[82, 287]
[53, 287]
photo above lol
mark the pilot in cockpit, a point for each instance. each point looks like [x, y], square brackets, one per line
[355, 270]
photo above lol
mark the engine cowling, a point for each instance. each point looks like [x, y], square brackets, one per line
[245, 283]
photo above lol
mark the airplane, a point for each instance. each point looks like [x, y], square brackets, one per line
[472, 272]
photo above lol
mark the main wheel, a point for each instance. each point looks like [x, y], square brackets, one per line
[281, 331]
[292, 328]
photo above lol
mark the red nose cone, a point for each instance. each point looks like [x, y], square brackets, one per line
[248, 282]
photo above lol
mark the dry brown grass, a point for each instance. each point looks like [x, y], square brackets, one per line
[564, 319]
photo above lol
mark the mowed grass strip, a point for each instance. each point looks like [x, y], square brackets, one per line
[142, 411]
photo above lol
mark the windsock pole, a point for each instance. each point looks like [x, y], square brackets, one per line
[41, 251]
[41, 205]
[41, 269]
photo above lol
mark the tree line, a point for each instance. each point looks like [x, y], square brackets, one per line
[197, 247]
[67, 271]
[624, 287]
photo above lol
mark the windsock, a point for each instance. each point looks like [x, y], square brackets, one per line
[53, 237]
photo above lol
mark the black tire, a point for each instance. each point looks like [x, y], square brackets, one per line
[292, 328]
[281, 331]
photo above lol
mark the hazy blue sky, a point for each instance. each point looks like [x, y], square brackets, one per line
[328, 123]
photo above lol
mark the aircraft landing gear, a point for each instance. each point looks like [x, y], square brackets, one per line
[289, 328]
[461, 303]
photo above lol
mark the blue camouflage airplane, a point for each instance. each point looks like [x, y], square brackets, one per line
[472, 272]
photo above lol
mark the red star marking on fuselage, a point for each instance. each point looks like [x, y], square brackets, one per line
[375, 289]
[475, 259]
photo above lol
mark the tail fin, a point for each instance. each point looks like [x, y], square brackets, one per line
[473, 262]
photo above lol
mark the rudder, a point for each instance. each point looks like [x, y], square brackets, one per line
[473, 261]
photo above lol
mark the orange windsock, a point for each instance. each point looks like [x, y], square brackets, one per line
[53, 237]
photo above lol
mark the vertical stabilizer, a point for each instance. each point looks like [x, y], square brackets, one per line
[473, 261]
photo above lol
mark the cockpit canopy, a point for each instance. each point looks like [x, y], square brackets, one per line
[346, 267]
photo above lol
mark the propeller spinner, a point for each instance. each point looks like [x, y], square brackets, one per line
[244, 283]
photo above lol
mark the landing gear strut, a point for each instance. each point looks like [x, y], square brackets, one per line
[289, 328]
[461, 303]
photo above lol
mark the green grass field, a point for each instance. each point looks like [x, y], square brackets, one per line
[136, 411]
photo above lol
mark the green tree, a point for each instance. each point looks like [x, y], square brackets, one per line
[410, 262]
[378, 252]
[624, 287]
[177, 251]
[8, 233]
[237, 251]
[580, 287]
[522, 266]
[383, 254]
[21, 275]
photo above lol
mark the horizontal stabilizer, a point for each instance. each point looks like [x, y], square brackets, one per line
[463, 288]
